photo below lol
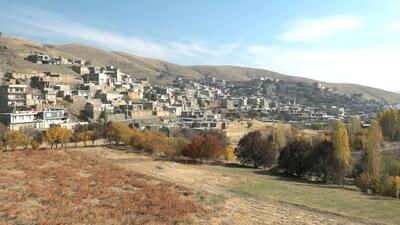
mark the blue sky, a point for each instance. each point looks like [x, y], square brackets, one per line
[337, 41]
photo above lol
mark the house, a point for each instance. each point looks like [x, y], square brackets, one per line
[13, 98]
[20, 120]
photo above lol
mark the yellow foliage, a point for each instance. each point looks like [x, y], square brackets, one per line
[15, 139]
[58, 135]
[342, 146]
[229, 154]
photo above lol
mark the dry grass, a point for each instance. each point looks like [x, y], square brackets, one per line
[55, 187]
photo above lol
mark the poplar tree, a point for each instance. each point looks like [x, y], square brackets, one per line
[342, 151]
[374, 140]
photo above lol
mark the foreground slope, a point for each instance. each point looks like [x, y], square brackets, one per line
[240, 195]
[56, 187]
[158, 71]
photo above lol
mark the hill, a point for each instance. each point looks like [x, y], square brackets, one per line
[160, 72]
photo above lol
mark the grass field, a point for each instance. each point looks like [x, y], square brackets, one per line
[344, 200]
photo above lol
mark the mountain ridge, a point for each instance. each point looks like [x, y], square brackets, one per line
[158, 71]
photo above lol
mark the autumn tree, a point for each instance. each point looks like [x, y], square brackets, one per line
[35, 137]
[204, 146]
[116, 132]
[220, 135]
[58, 135]
[389, 121]
[256, 149]
[137, 139]
[15, 139]
[3, 132]
[154, 142]
[85, 136]
[342, 151]
[280, 135]
[374, 141]
[354, 125]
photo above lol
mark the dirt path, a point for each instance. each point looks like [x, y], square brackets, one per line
[226, 207]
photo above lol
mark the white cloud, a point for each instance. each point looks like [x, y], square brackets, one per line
[46, 24]
[316, 29]
[376, 67]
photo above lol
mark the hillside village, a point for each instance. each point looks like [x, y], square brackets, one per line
[92, 136]
[43, 99]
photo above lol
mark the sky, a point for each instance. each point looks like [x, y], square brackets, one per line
[343, 41]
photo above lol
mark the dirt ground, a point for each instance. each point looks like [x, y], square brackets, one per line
[214, 187]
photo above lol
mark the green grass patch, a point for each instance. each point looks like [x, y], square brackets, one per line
[344, 200]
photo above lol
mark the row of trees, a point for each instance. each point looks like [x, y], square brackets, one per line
[326, 158]
[205, 145]
[12, 140]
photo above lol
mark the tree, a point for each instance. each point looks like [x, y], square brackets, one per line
[220, 135]
[256, 149]
[85, 136]
[15, 139]
[35, 137]
[342, 151]
[389, 121]
[294, 159]
[280, 135]
[116, 132]
[137, 139]
[204, 146]
[99, 131]
[58, 135]
[155, 142]
[323, 160]
[374, 141]
[354, 125]
[3, 131]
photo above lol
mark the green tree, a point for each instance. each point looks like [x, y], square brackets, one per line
[256, 149]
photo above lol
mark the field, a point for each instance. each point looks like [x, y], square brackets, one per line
[56, 187]
[97, 185]
[236, 195]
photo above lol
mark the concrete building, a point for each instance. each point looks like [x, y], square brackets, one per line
[20, 120]
[13, 98]
[51, 117]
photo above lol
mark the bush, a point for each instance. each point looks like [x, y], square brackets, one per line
[256, 149]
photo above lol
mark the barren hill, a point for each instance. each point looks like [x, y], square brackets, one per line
[12, 59]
